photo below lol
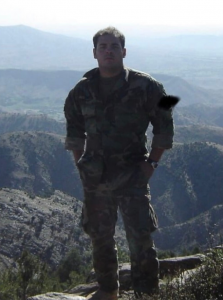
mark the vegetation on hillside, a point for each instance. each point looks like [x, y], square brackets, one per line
[206, 282]
[14, 122]
[31, 276]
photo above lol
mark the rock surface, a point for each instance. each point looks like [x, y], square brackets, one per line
[47, 227]
[56, 296]
[172, 266]
[180, 267]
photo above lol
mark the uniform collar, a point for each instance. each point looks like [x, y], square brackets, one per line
[92, 78]
[94, 74]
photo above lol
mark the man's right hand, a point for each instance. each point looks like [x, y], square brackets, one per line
[146, 168]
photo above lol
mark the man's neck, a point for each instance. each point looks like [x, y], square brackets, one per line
[108, 73]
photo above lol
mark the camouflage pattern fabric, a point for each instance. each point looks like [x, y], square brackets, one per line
[112, 136]
[99, 217]
[116, 129]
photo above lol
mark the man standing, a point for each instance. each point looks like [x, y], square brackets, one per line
[108, 113]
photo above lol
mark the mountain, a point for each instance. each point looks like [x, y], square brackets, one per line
[188, 204]
[188, 92]
[194, 58]
[198, 133]
[41, 92]
[28, 48]
[40, 198]
[44, 92]
[188, 182]
[187, 196]
[47, 227]
[184, 187]
[202, 231]
[201, 114]
[13, 122]
[194, 133]
[37, 163]
[39, 170]
[40, 190]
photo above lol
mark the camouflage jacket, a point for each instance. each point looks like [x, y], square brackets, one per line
[114, 131]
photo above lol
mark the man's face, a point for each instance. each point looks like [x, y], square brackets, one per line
[109, 52]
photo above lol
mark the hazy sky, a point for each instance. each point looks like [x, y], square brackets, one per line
[64, 13]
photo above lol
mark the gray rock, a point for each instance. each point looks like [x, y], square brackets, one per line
[83, 289]
[47, 227]
[124, 276]
[172, 266]
[56, 296]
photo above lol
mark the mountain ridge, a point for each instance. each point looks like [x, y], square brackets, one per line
[29, 48]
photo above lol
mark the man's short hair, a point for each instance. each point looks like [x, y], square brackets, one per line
[109, 30]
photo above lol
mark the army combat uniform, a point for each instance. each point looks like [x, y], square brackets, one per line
[110, 123]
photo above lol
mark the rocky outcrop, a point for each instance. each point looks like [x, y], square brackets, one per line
[46, 227]
[170, 266]
[56, 296]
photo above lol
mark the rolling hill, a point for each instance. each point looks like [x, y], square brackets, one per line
[198, 132]
[44, 92]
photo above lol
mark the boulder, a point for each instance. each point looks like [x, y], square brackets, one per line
[176, 265]
[83, 289]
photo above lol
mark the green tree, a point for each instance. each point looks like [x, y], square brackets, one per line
[74, 268]
[32, 275]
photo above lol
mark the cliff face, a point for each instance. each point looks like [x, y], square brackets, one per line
[48, 227]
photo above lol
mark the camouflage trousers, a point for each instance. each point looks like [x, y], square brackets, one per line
[130, 193]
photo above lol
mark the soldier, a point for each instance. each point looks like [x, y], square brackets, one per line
[107, 114]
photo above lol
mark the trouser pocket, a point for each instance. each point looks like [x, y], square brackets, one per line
[90, 169]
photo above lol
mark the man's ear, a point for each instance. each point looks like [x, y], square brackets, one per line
[124, 52]
[94, 53]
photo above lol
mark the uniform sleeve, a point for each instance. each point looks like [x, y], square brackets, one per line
[75, 138]
[161, 119]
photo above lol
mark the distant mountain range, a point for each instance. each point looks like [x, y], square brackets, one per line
[44, 92]
[196, 58]
[24, 47]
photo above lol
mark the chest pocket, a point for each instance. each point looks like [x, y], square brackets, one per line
[89, 114]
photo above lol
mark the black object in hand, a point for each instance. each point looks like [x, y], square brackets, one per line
[167, 102]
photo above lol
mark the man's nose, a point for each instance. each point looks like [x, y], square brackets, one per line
[109, 49]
